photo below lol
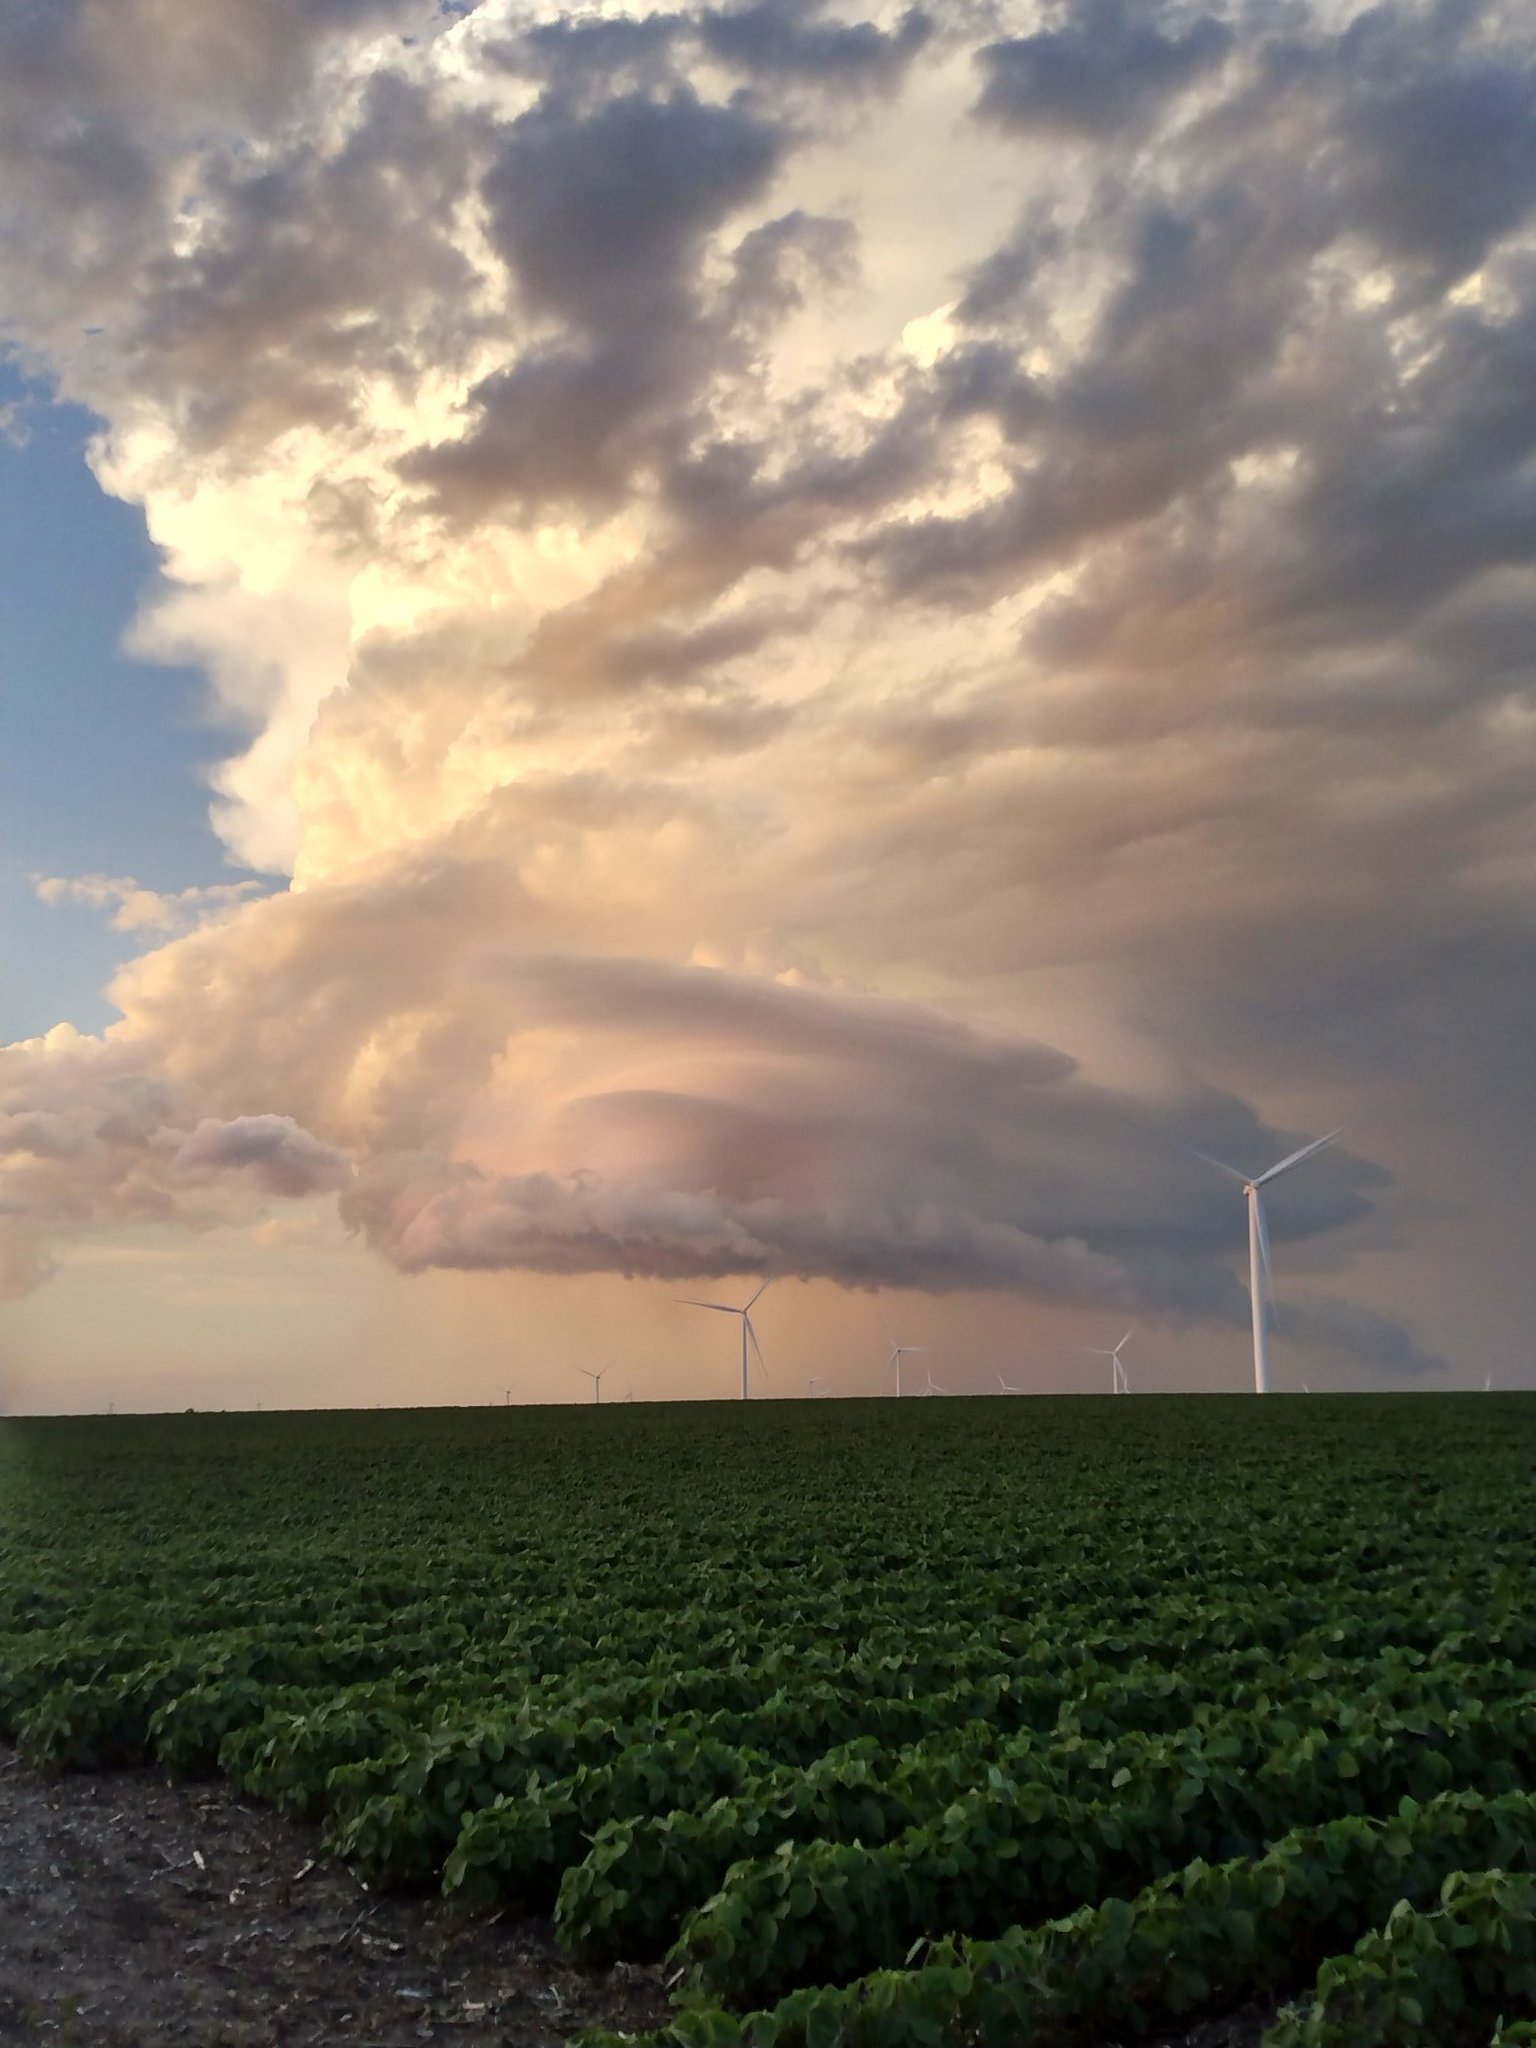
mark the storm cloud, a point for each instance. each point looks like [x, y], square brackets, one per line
[854, 624]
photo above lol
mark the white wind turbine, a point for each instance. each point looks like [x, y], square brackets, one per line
[812, 1384]
[1118, 1383]
[931, 1386]
[898, 1353]
[748, 1334]
[596, 1378]
[1258, 1241]
[1005, 1388]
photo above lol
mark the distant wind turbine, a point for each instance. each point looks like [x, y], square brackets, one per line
[1118, 1383]
[1258, 1241]
[1004, 1386]
[812, 1384]
[932, 1386]
[597, 1380]
[898, 1353]
[748, 1334]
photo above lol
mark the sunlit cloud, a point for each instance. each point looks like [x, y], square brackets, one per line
[719, 637]
[133, 908]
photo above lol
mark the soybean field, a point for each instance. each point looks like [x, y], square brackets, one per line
[878, 1723]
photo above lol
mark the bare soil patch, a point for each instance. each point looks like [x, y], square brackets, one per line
[137, 1913]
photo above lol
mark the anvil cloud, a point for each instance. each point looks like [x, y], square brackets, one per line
[851, 623]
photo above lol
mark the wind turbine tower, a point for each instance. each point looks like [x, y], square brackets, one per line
[898, 1353]
[1258, 1242]
[748, 1334]
[597, 1381]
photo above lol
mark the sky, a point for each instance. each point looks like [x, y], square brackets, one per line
[644, 647]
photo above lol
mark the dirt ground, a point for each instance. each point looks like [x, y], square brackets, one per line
[137, 1913]
[140, 1914]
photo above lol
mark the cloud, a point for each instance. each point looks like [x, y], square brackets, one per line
[102, 207]
[774, 44]
[1434, 151]
[1061, 724]
[309, 272]
[483, 1106]
[778, 39]
[137, 909]
[1354, 1333]
[40, 1133]
[576, 1224]
[282, 1157]
[602, 217]
[91, 1135]
[1108, 67]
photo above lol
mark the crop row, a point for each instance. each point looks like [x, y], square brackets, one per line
[1429, 1978]
[1202, 1936]
[500, 1628]
[194, 1581]
[630, 1893]
[676, 1828]
[83, 1712]
[1024, 1847]
[398, 1815]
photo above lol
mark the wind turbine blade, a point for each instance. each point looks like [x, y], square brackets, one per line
[757, 1349]
[1130, 1333]
[1210, 1160]
[724, 1307]
[1295, 1158]
[760, 1293]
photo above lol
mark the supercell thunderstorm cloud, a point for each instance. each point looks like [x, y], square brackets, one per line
[846, 627]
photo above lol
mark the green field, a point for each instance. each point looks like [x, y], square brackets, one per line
[986, 1720]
